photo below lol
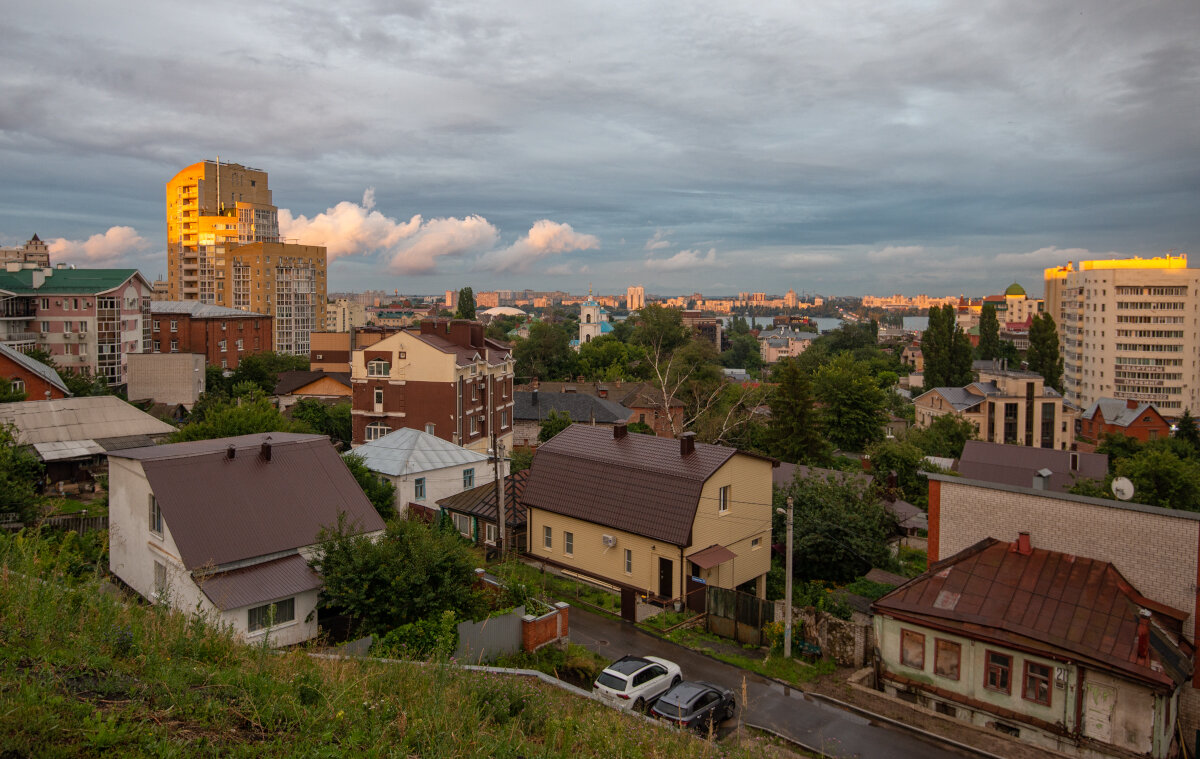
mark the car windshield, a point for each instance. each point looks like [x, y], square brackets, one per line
[609, 680]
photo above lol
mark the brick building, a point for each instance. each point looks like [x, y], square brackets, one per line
[30, 376]
[1128, 417]
[222, 335]
[446, 379]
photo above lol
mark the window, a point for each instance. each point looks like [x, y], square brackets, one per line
[156, 324]
[379, 396]
[912, 649]
[503, 420]
[946, 659]
[156, 520]
[628, 561]
[547, 538]
[419, 488]
[45, 326]
[221, 345]
[474, 392]
[431, 428]
[174, 325]
[239, 345]
[756, 543]
[45, 303]
[377, 367]
[568, 543]
[83, 327]
[160, 579]
[157, 346]
[376, 430]
[723, 499]
[1037, 683]
[468, 478]
[489, 533]
[999, 669]
[462, 523]
[269, 615]
[474, 425]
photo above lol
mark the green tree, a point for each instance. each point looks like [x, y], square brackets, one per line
[852, 404]
[333, 421]
[412, 572]
[546, 354]
[794, 431]
[380, 491]
[947, 350]
[840, 527]
[945, 436]
[243, 416]
[20, 477]
[263, 369]
[744, 353]
[907, 460]
[78, 384]
[989, 333]
[553, 424]
[466, 304]
[1186, 431]
[640, 428]
[1161, 478]
[8, 392]
[520, 459]
[660, 330]
[607, 359]
[1043, 356]
[1118, 446]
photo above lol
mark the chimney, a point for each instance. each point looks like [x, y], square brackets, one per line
[687, 443]
[1143, 637]
[1040, 478]
[12, 266]
[266, 448]
[619, 429]
[1131, 403]
[38, 277]
[534, 400]
[1022, 546]
[230, 452]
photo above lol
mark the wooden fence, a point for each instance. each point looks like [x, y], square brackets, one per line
[740, 616]
[66, 522]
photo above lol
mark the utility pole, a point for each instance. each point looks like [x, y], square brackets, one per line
[497, 454]
[787, 585]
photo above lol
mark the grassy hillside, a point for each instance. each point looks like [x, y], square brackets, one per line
[85, 672]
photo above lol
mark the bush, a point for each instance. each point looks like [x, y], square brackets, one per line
[435, 638]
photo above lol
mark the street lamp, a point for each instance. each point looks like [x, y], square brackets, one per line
[787, 585]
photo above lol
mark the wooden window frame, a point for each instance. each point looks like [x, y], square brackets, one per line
[1048, 679]
[988, 669]
[938, 644]
[905, 635]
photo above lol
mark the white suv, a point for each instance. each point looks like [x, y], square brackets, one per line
[636, 681]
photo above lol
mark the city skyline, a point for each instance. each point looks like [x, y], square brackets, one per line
[847, 150]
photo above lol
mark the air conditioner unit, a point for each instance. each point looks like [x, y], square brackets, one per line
[609, 541]
[43, 334]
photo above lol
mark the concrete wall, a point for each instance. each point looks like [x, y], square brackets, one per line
[166, 377]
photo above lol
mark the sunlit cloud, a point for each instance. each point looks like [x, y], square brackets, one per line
[116, 243]
[545, 238]
[658, 241]
[684, 259]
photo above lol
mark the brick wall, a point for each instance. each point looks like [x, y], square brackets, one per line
[548, 628]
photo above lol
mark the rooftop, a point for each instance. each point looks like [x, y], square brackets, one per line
[66, 281]
[1118, 413]
[35, 366]
[198, 310]
[1017, 464]
[79, 419]
[408, 451]
[537, 405]
[481, 501]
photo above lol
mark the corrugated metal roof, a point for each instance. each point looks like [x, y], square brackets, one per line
[712, 556]
[1117, 412]
[85, 418]
[959, 398]
[409, 451]
[1045, 599]
[35, 366]
[1017, 464]
[481, 501]
[259, 583]
[786, 473]
[223, 510]
[198, 310]
[581, 407]
[67, 281]
[68, 449]
[637, 483]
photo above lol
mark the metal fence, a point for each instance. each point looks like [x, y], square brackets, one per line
[740, 616]
[494, 636]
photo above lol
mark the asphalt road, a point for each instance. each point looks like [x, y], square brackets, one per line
[765, 703]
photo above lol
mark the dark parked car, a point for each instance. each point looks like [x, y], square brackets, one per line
[697, 706]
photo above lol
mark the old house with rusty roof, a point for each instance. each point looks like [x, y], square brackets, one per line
[651, 515]
[445, 378]
[1056, 649]
[477, 518]
[225, 527]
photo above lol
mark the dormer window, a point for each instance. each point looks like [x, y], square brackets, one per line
[378, 367]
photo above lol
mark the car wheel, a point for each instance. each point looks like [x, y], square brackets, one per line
[730, 710]
[675, 681]
[639, 705]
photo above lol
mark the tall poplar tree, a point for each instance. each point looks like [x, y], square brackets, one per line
[794, 431]
[1043, 356]
[947, 350]
[466, 304]
[989, 333]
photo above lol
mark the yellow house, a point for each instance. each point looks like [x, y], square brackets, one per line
[656, 516]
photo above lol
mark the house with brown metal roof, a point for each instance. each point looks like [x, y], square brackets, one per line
[1056, 649]
[477, 518]
[652, 516]
[225, 527]
[644, 402]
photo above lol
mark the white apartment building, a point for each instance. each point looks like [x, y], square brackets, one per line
[1128, 329]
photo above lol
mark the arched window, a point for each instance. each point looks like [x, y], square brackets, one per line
[588, 319]
[587, 338]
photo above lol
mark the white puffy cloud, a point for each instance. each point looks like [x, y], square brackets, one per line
[412, 246]
[684, 259]
[545, 238]
[99, 248]
[658, 241]
[896, 252]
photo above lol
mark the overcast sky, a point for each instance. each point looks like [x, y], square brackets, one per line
[832, 147]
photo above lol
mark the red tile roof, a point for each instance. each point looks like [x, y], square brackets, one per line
[1045, 600]
[638, 483]
[222, 510]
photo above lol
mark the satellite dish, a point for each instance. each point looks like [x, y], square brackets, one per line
[1122, 488]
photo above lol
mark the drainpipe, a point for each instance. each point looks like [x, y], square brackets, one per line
[1078, 701]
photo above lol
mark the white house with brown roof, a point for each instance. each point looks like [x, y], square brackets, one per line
[224, 528]
[657, 516]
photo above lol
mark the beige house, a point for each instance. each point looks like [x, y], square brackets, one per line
[1006, 406]
[1055, 649]
[659, 517]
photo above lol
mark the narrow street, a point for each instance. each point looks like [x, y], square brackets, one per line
[768, 704]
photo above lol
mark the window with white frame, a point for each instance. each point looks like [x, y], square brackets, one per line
[158, 346]
[568, 543]
[83, 328]
[376, 430]
[462, 523]
[221, 345]
[723, 499]
[156, 324]
[379, 396]
[45, 303]
[490, 533]
[271, 615]
[45, 326]
[547, 538]
[503, 420]
[174, 346]
[18, 385]
[174, 325]
[468, 478]
[430, 428]
[378, 367]
[156, 520]
[239, 344]
[419, 488]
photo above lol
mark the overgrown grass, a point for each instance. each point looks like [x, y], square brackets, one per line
[574, 664]
[772, 665]
[553, 586]
[665, 620]
[868, 588]
[913, 561]
[85, 672]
